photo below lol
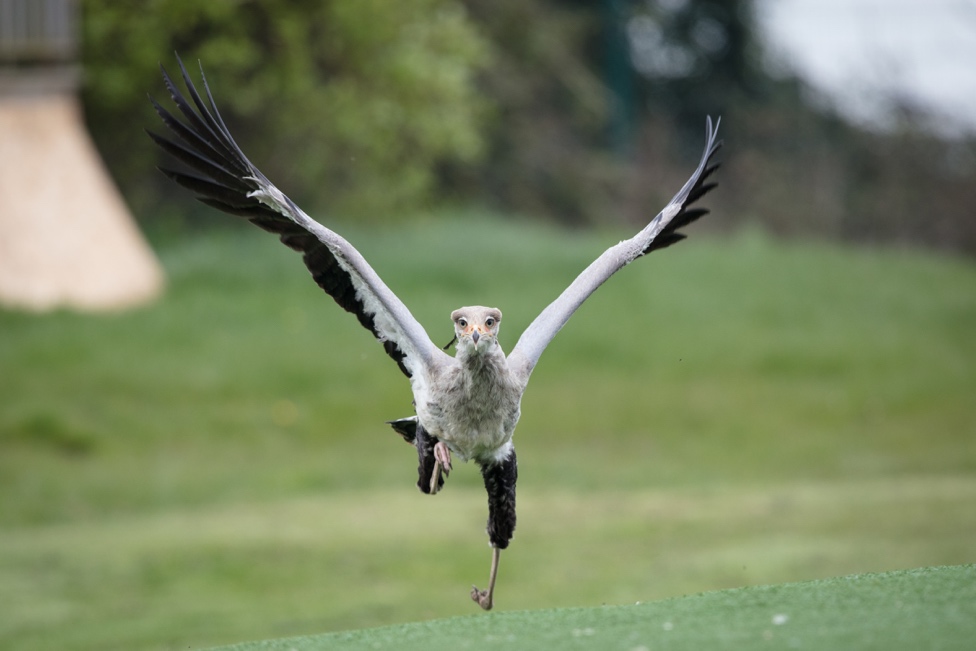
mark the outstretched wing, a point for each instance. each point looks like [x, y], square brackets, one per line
[662, 231]
[225, 179]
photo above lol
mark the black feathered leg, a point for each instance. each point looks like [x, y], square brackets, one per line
[500, 483]
[434, 456]
[428, 466]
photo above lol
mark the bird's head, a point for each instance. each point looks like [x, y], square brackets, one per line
[476, 328]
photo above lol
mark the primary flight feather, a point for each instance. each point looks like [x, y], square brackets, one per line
[467, 405]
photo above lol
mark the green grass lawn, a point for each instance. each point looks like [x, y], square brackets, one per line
[215, 468]
[929, 608]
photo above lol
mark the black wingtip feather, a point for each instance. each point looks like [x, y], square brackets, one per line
[692, 215]
[208, 189]
[700, 188]
[700, 191]
[252, 213]
[664, 241]
[201, 126]
[203, 164]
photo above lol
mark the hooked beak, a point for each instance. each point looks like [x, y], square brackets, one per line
[475, 336]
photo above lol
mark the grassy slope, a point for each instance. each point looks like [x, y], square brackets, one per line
[932, 608]
[215, 467]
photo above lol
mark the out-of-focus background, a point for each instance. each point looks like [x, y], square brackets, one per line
[192, 438]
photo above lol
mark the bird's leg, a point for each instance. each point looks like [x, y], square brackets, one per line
[484, 597]
[500, 484]
[442, 463]
[430, 479]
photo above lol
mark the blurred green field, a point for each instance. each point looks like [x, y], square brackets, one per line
[216, 468]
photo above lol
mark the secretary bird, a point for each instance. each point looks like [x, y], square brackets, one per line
[466, 406]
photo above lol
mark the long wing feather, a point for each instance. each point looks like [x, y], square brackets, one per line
[661, 232]
[225, 179]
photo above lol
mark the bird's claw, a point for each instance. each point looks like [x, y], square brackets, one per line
[442, 454]
[442, 464]
[481, 597]
[484, 597]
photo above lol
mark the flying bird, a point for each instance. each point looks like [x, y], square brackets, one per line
[467, 406]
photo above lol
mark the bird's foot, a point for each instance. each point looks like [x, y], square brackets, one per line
[442, 464]
[484, 597]
[443, 456]
[481, 597]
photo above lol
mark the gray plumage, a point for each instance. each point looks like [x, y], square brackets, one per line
[472, 404]
[467, 405]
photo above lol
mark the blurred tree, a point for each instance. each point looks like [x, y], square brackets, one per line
[590, 93]
[696, 57]
[349, 105]
[547, 139]
[383, 106]
[797, 167]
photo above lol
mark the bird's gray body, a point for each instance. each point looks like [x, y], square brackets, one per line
[468, 404]
[473, 405]
[471, 402]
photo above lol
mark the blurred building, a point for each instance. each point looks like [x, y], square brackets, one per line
[66, 237]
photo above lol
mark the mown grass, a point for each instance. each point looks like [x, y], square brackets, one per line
[931, 608]
[729, 412]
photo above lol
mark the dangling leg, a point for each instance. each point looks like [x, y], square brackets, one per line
[442, 463]
[435, 461]
[484, 597]
[500, 483]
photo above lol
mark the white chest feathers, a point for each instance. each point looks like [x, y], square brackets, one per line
[472, 407]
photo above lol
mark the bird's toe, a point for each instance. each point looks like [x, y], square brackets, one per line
[443, 456]
[481, 597]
